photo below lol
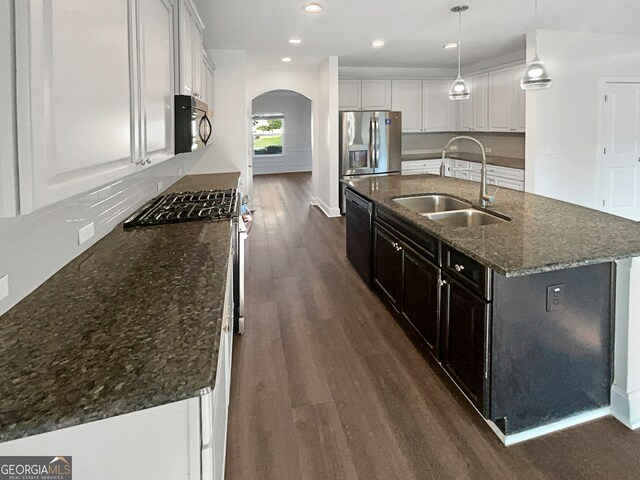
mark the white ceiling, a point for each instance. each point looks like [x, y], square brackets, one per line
[414, 30]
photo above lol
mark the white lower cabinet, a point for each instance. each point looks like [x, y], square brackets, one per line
[417, 167]
[181, 440]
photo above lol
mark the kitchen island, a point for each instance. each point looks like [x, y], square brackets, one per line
[518, 313]
[133, 336]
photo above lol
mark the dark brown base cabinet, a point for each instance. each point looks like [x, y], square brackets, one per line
[519, 363]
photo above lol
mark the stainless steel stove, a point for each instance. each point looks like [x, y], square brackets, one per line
[186, 207]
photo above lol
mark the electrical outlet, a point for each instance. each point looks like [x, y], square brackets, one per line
[555, 297]
[488, 149]
[85, 233]
[160, 186]
[4, 287]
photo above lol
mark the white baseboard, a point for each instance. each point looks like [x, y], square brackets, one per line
[328, 211]
[625, 407]
[550, 428]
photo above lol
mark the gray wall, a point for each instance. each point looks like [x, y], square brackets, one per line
[297, 132]
[33, 247]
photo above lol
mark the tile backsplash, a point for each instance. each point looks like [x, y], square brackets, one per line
[33, 247]
[501, 144]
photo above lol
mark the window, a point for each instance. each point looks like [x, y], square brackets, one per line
[268, 134]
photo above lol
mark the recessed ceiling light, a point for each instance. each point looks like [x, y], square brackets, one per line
[312, 8]
[295, 41]
[450, 45]
[377, 43]
[286, 59]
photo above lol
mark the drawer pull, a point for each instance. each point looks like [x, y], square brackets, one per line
[458, 268]
[442, 282]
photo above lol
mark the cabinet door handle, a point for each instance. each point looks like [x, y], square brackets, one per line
[458, 268]
[442, 282]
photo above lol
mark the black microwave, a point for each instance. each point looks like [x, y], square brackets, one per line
[193, 124]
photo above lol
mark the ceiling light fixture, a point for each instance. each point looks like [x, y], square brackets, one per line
[459, 89]
[295, 41]
[287, 59]
[377, 43]
[536, 75]
[312, 8]
[450, 45]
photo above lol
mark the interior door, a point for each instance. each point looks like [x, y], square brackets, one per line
[621, 150]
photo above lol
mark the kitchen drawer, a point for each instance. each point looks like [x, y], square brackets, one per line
[468, 271]
[460, 164]
[421, 242]
[413, 164]
[506, 172]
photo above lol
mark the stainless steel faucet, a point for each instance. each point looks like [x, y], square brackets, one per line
[485, 198]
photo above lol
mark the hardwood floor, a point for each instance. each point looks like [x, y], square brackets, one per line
[326, 384]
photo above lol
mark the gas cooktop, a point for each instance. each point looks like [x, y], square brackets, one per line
[181, 207]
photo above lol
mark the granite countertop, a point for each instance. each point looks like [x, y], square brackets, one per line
[543, 234]
[132, 323]
[498, 161]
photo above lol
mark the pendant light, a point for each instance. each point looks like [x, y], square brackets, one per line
[459, 89]
[536, 75]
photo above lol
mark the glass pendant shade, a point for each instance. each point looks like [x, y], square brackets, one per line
[535, 76]
[459, 90]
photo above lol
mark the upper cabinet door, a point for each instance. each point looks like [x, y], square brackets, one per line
[198, 88]
[407, 98]
[519, 102]
[190, 41]
[186, 50]
[157, 77]
[349, 94]
[376, 94]
[479, 96]
[8, 179]
[467, 108]
[73, 97]
[436, 106]
[501, 100]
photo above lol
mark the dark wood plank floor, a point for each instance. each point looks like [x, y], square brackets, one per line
[326, 384]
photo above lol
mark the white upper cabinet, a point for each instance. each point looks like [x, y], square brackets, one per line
[479, 98]
[506, 100]
[500, 100]
[74, 104]
[467, 108]
[437, 108]
[349, 93]
[364, 94]
[407, 98]
[207, 80]
[8, 179]
[157, 75]
[376, 95]
[190, 41]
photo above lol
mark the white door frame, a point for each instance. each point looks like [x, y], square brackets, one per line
[602, 84]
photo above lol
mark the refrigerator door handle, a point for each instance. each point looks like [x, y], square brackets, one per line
[377, 134]
[371, 152]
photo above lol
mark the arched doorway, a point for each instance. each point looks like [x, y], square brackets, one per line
[281, 133]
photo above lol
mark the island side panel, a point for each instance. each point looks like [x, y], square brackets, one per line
[549, 365]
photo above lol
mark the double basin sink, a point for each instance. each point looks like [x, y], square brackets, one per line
[449, 211]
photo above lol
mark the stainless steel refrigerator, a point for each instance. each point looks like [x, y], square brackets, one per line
[370, 144]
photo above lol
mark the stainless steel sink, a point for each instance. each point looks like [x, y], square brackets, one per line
[469, 217]
[432, 203]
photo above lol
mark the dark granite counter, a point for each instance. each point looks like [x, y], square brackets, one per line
[132, 323]
[543, 234]
[469, 157]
